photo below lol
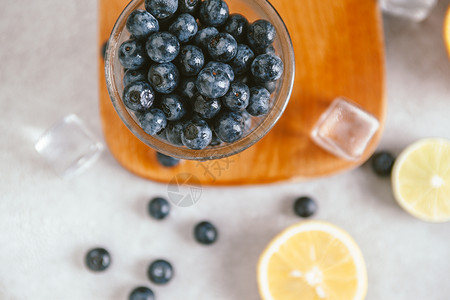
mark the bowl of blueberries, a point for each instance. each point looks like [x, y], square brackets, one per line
[199, 80]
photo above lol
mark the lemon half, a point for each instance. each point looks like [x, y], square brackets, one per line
[312, 261]
[421, 179]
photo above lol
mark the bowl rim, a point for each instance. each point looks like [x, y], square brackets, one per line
[280, 101]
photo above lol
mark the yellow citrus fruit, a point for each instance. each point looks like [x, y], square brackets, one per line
[421, 179]
[312, 261]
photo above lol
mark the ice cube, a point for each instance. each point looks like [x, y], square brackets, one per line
[68, 146]
[416, 10]
[345, 129]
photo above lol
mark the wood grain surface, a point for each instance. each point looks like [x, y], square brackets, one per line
[339, 51]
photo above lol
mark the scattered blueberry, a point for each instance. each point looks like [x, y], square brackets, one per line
[213, 12]
[261, 34]
[141, 293]
[141, 24]
[382, 163]
[162, 47]
[174, 131]
[222, 47]
[267, 67]
[173, 106]
[237, 97]
[98, 259]
[196, 134]
[305, 207]
[153, 121]
[158, 208]
[243, 60]
[237, 26]
[205, 107]
[161, 9]
[187, 87]
[184, 27]
[138, 96]
[160, 272]
[103, 49]
[190, 60]
[188, 6]
[132, 55]
[222, 66]
[134, 75]
[203, 36]
[259, 101]
[212, 82]
[205, 233]
[167, 161]
[164, 77]
[229, 126]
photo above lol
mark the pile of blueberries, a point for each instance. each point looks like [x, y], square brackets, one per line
[195, 75]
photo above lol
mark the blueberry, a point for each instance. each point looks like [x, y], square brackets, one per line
[214, 12]
[160, 271]
[187, 87]
[174, 131]
[196, 134]
[237, 26]
[153, 121]
[141, 24]
[98, 259]
[222, 47]
[167, 161]
[382, 163]
[268, 85]
[215, 141]
[267, 67]
[205, 233]
[141, 293]
[203, 36]
[164, 77]
[103, 49]
[261, 34]
[212, 83]
[188, 6]
[305, 207]
[243, 60]
[132, 55]
[190, 60]
[162, 47]
[173, 106]
[259, 101]
[247, 121]
[161, 9]
[205, 107]
[269, 50]
[134, 75]
[229, 126]
[138, 96]
[237, 97]
[224, 67]
[158, 208]
[184, 27]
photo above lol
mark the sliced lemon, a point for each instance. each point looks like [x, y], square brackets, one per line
[421, 179]
[312, 261]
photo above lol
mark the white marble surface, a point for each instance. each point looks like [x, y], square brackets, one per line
[48, 56]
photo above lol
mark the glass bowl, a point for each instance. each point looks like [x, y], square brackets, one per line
[260, 126]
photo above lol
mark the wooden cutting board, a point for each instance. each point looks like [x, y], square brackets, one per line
[339, 51]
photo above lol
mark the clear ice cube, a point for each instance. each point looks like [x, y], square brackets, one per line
[417, 10]
[345, 129]
[68, 146]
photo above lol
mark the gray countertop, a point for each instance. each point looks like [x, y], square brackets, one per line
[48, 56]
